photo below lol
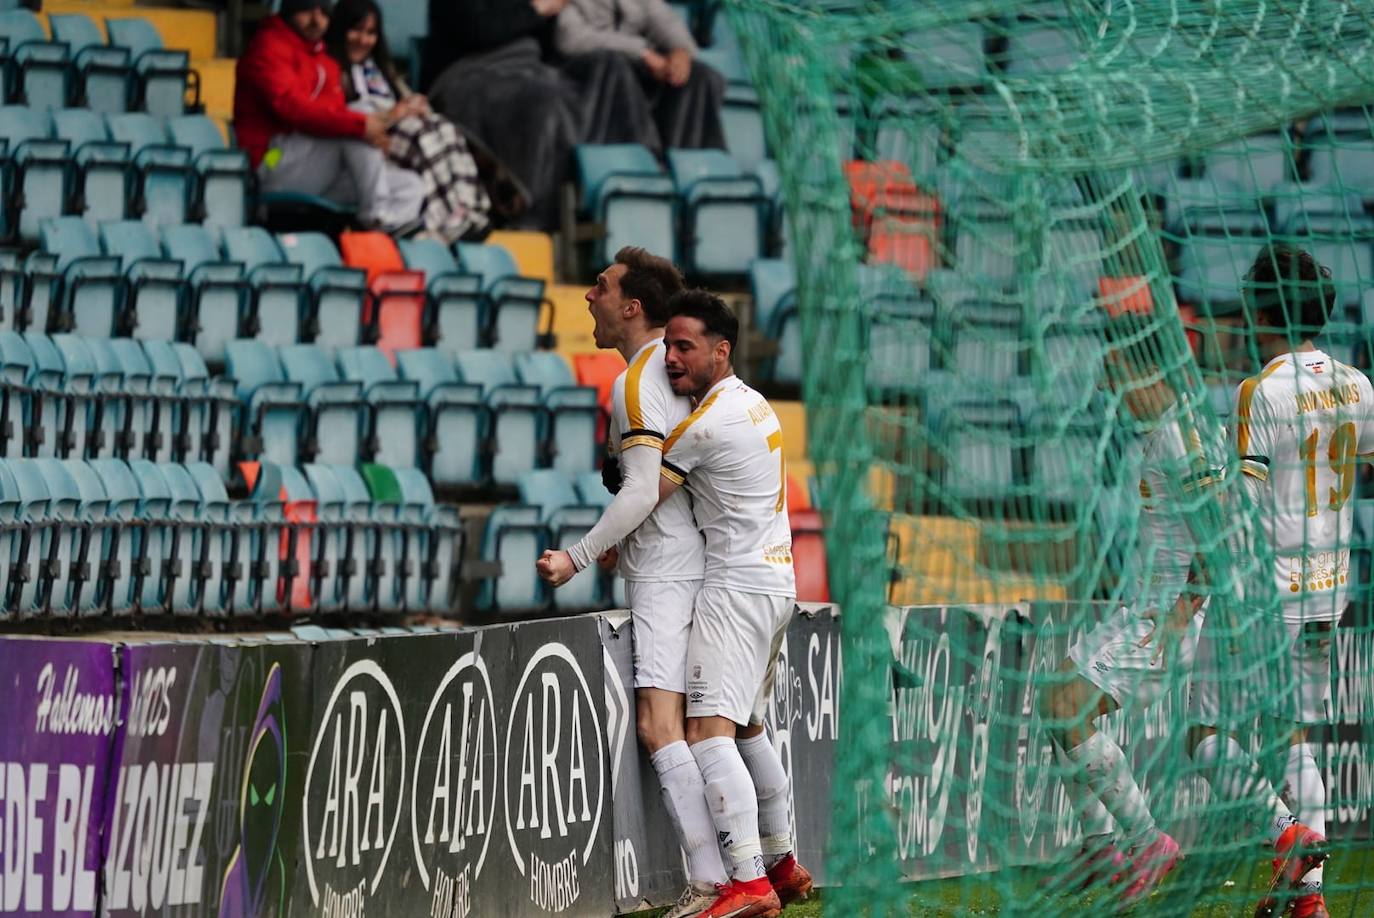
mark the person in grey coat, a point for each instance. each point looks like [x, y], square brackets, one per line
[684, 94]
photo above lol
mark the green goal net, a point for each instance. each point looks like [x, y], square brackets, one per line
[1023, 237]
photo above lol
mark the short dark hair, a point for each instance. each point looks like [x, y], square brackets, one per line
[1288, 289]
[651, 279]
[712, 312]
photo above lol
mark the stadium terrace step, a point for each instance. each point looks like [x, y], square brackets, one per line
[969, 590]
[792, 417]
[931, 548]
[216, 85]
[572, 324]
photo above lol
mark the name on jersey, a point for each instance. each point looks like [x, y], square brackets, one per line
[1326, 399]
[760, 412]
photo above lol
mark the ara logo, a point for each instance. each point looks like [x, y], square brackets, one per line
[1034, 755]
[453, 789]
[353, 784]
[554, 776]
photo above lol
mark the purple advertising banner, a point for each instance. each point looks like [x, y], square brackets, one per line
[57, 715]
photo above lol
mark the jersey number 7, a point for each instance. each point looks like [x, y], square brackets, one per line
[775, 444]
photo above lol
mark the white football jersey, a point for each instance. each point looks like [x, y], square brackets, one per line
[1299, 426]
[644, 409]
[1174, 466]
[729, 454]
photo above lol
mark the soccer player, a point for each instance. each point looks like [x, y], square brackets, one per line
[728, 453]
[660, 550]
[1133, 654]
[1300, 426]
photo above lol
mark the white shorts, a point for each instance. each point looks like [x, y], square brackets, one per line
[662, 616]
[1115, 657]
[1232, 685]
[733, 653]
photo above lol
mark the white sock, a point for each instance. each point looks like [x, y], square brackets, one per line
[1235, 778]
[684, 796]
[734, 808]
[1092, 815]
[1104, 767]
[1308, 795]
[774, 795]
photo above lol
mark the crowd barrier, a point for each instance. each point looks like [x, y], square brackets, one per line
[493, 771]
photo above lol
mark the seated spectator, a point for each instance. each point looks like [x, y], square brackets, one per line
[684, 94]
[291, 119]
[456, 206]
[499, 86]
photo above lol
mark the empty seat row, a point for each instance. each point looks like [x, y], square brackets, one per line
[109, 167]
[705, 212]
[106, 537]
[208, 286]
[469, 421]
[362, 539]
[77, 67]
[69, 397]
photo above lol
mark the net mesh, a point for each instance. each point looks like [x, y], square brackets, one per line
[1020, 234]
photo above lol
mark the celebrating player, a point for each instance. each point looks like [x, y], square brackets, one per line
[1133, 654]
[728, 453]
[1300, 424]
[660, 550]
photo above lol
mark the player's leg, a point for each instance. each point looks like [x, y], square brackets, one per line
[724, 670]
[1306, 791]
[662, 626]
[790, 880]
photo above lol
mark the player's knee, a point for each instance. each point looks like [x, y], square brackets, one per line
[1196, 734]
[656, 729]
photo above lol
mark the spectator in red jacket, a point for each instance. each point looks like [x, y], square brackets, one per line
[291, 118]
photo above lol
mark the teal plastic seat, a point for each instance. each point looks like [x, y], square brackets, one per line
[39, 71]
[513, 410]
[567, 520]
[515, 536]
[217, 292]
[395, 413]
[280, 301]
[513, 303]
[102, 74]
[161, 76]
[337, 293]
[724, 211]
[155, 284]
[455, 418]
[271, 406]
[567, 432]
[92, 298]
[39, 166]
[101, 168]
[222, 173]
[624, 188]
[162, 170]
[334, 420]
[455, 306]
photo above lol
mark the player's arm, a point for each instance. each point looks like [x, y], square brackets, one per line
[629, 508]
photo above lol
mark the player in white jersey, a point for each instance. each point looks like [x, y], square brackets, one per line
[660, 549]
[1301, 424]
[729, 455]
[1135, 653]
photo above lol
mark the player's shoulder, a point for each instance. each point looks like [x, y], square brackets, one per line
[1278, 377]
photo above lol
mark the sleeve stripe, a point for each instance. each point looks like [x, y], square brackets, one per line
[641, 432]
[1262, 460]
[1246, 395]
[642, 440]
[1253, 473]
[633, 411]
[672, 474]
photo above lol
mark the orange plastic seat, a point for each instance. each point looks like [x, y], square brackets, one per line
[808, 556]
[899, 220]
[394, 312]
[599, 370]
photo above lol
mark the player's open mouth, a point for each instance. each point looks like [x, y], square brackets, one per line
[675, 373]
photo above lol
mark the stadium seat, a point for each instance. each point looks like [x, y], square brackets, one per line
[165, 436]
[92, 299]
[16, 401]
[984, 338]
[773, 285]
[161, 76]
[1256, 165]
[284, 504]
[87, 575]
[100, 170]
[1073, 255]
[52, 407]
[1342, 242]
[217, 292]
[103, 74]
[626, 191]
[279, 301]
[370, 573]
[271, 407]
[723, 211]
[38, 167]
[906, 131]
[155, 290]
[979, 440]
[1211, 265]
[394, 316]
[436, 546]
[1037, 51]
[454, 303]
[779, 233]
[396, 521]
[123, 538]
[808, 556]
[29, 574]
[222, 174]
[336, 545]
[515, 537]
[204, 428]
[741, 119]
[54, 591]
[985, 245]
[220, 546]
[337, 293]
[947, 57]
[513, 410]
[899, 222]
[599, 370]
[155, 568]
[1057, 473]
[567, 439]
[334, 420]
[188, 532]
[162, 171]
[137, 408]
[391, 436]
[456, 426]
[512, 302]
[83, 433]
[1340, 153]
[901, 333]
[567, 520]
[38, 70]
